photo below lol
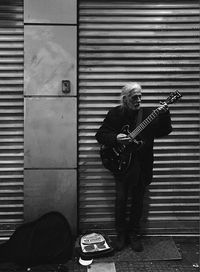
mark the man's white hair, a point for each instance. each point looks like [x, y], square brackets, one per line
[126, 90]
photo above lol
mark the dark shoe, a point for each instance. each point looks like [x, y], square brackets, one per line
[136, 243]
[120, 241]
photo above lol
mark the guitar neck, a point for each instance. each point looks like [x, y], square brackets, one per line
[170, 100]
[144, 124]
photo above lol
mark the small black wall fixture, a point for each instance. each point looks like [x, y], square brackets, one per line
[66, 88]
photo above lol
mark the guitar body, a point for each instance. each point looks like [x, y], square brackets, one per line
[117, 159]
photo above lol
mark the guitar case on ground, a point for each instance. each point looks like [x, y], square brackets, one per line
[47, 240]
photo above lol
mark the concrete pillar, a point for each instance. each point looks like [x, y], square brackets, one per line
[50, 127]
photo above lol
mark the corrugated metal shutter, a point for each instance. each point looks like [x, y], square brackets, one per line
[157, 44]
[11, 116]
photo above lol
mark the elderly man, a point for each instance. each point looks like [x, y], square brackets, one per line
[139, 173]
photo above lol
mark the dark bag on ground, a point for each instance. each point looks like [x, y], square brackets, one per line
[47, 240]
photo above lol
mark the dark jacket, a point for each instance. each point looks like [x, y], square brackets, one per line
[117, 117]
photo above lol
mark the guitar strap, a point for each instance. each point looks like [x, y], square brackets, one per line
[139, 117]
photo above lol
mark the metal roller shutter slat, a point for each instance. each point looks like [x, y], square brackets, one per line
[157, 44]
[11, 116]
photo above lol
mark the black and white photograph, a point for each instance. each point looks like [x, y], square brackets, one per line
[99, 135]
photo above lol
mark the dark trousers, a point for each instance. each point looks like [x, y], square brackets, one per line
[123, 190]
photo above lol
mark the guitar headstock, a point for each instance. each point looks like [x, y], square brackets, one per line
[173, 97]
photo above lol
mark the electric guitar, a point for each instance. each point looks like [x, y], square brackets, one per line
[117, 159]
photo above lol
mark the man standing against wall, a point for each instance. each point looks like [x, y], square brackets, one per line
[139, 173]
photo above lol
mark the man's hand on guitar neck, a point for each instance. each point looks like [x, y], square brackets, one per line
[123, 139]
[163, 107]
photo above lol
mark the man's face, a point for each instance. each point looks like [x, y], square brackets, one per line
[134, 99]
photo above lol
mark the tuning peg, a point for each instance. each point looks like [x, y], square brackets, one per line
[179, 95]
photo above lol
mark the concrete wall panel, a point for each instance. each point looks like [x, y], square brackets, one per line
[50, 11]
[50, 57]
[50, 129]
[50, 133]
[50, 190]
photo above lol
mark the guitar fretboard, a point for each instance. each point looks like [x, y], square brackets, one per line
[170, 100]
[144, 124]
